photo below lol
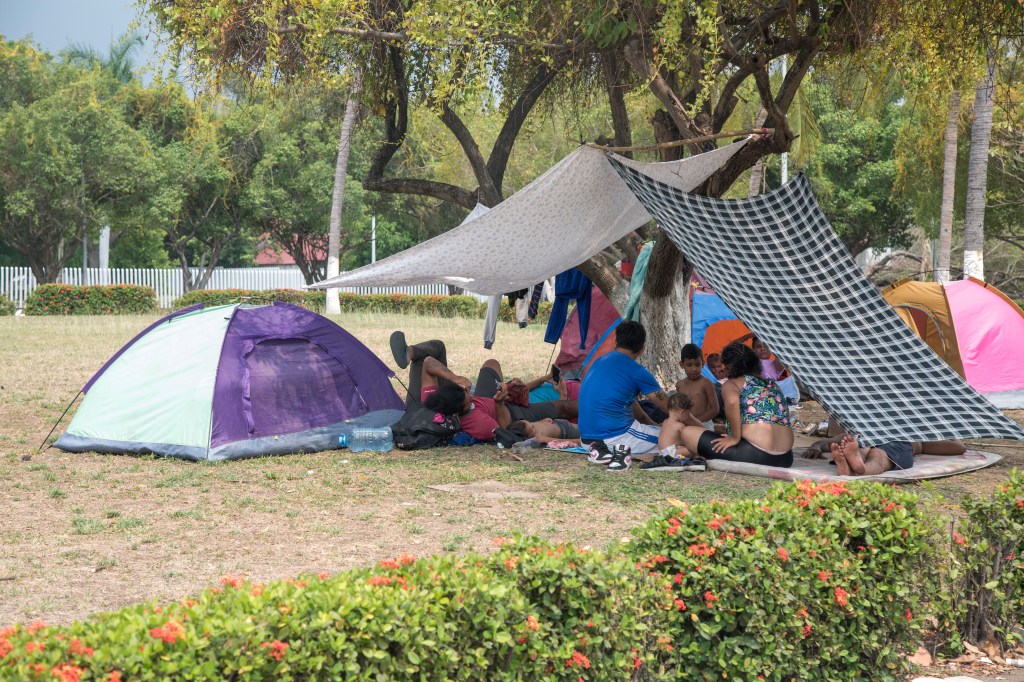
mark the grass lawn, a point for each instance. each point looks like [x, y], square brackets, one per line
[82, 533]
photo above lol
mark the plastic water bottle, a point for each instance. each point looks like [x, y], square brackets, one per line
[370, 438]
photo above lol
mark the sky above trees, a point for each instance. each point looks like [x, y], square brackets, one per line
[55, 24]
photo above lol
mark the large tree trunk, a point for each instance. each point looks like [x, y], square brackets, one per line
[338, 197]
[667, 321]
[977, 173]
[757, 172]
[948, 187]
[665, 300]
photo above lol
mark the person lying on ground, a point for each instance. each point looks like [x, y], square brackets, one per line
[481, 411]
[697, 387]
[853, 460]
[609, 412]
[546, 430]
[680, 415]
[757, 414]
[567, 389]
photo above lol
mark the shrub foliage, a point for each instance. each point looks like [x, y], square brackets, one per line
[7, 306]
[815, 581]
[983, 594]
[114, 299]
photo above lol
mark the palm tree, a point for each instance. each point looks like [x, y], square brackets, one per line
[977, 172]
[337, 200]
[948, 185]
[119, 61]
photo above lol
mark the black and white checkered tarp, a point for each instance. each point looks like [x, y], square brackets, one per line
[776, 261]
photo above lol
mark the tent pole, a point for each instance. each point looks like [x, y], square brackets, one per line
[58, 422]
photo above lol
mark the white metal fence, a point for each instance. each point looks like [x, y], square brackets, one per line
[18, 283]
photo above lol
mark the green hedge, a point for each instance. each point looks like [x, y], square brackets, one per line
[223, 296]
[530, 611]
[983, 593]
[7, 306]
[816, 581]
[115, 299]
[433, 304]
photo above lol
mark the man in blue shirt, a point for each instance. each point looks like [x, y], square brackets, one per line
[609, 415]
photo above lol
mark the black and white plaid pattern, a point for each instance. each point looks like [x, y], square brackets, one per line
[776, 261]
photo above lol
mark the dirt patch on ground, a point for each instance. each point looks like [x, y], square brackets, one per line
[486, 490]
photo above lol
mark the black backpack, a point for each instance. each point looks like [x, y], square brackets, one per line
[421, 428]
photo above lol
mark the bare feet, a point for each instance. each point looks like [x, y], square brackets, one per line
[843, 468]
[851, 452]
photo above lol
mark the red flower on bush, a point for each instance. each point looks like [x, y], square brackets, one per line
[783, 554]
[32, 647]
[115, 676]
[823, 576]
[170, 633]
[79, 650]
[532, 624]
[5, 647]
[377, 580]
[807, 629]
[578, 660]
[388, 563]
[959, 539]
[67, 673]
[230, 581]
[710, 598]
[277, 648]
[702, 549]
[406, 559]
[511, 562]
[499, 541]
[842, 596]
[680, 605]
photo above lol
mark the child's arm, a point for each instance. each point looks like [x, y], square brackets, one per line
[679, 386]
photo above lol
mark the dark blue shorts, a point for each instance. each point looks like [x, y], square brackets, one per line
[899, 452]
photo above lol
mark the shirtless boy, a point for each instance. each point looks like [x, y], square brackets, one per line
[696, 387]
[547, 430]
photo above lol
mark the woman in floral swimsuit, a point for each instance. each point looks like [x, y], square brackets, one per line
[757, 412]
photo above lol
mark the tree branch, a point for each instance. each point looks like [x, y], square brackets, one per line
[883, 262]
[616, 101]
[502, 149]
[488, 193]
[661, 89]
[427, 188]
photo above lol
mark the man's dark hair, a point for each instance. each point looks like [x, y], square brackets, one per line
[449, 398]
[691, 351]
[630, 335]
[740, 360]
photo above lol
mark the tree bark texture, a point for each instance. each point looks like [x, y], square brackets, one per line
[333, 306]
[977, 173]
[948, 187]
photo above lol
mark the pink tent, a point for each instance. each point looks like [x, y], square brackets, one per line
[989, 333]
[602, 315]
